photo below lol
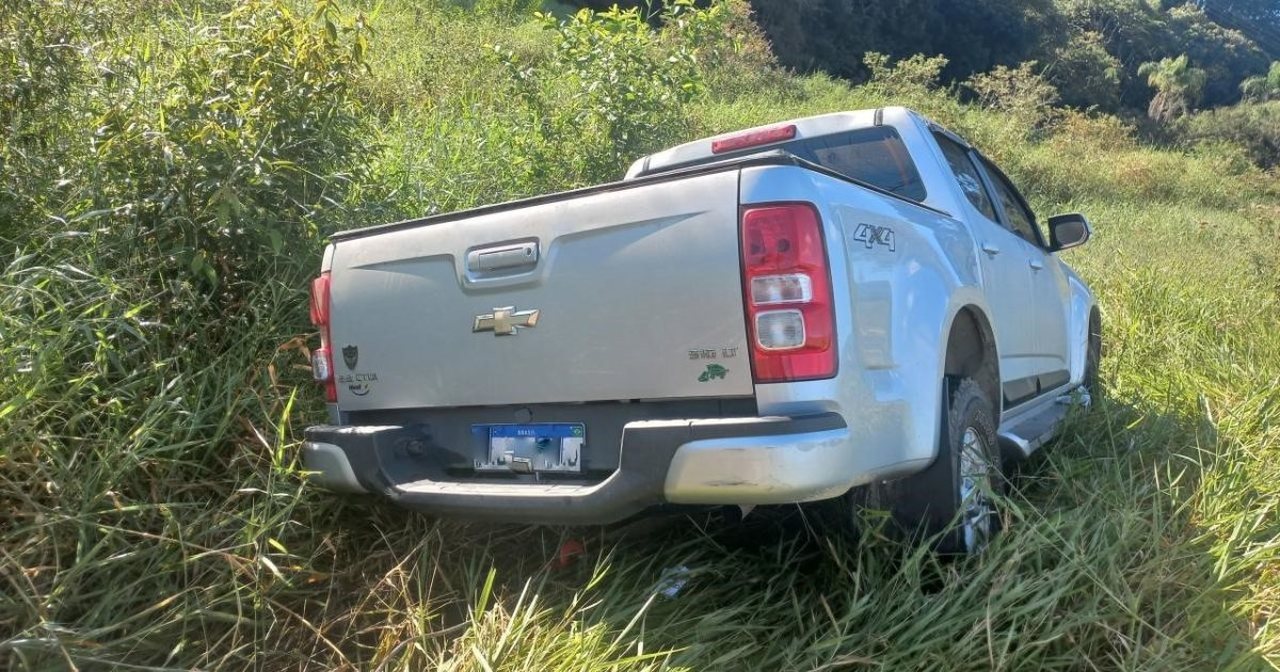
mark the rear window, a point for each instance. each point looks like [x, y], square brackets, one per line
[872, 155]
[875, 156]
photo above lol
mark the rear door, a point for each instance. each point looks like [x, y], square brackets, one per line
[1004, 271]
[1048, 283]
[625, 292]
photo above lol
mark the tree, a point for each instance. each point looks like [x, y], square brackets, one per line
[1259, 19]
[1178, 87]
[1263, 87]
[1085, 74]
[1226, 55]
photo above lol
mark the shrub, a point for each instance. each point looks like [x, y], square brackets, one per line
[613, 88]
[1253, 126]
[1085, 74]
[42, 62]
[1263, 87]
[740, 59]
[1019, 92]
[143, 312]
[911, 76]
[256, 136]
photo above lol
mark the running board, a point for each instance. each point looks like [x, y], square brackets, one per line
[1025, 434]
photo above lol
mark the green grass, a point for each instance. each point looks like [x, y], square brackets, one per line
[152, 512]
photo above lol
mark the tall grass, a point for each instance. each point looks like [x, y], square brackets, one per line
[151, 508]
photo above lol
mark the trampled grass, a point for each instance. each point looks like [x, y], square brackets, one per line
[152, 514]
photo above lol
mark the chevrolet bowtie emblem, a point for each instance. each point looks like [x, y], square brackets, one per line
[505, 321]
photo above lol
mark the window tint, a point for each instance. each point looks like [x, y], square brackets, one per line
[873, 155]
[967, 175]
[1018, 217]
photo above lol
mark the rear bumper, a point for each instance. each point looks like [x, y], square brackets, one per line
[769, 460]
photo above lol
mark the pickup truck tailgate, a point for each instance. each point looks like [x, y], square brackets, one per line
[637, 290]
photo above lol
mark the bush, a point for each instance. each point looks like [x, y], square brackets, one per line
[1255, 127]
[613, 89]
[738, 59]
[913, 76]
[1262, 87]
[1019, 92]
[146, 300]
[42, 62]
[1085, 74]
[255, 137]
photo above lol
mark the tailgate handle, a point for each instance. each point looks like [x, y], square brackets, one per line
[507, 256]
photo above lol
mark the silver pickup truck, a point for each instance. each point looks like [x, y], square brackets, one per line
[776, 315]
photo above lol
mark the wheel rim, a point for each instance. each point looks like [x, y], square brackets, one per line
[975, 491]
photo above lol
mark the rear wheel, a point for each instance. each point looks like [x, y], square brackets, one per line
[959, 487]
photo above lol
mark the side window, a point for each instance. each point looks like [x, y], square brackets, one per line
[967, 175]
[1019, 218]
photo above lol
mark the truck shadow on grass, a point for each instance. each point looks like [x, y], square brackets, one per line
[1114, 558]
[1119, 554]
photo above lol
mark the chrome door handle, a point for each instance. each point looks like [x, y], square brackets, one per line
[1036, 264]
[990, 249]
[506, 258]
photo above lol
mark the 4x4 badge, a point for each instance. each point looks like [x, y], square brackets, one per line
[350, 355]
[871, 235]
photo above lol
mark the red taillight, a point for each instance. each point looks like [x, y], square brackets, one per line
[787, 291]
[322, 357]
[320, 300]
[764, 136]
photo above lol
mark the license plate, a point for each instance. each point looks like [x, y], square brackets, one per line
[551, 447]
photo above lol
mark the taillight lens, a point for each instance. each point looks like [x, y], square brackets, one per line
[322, 357]
[764, 136]
[320, 300]
[787, 287]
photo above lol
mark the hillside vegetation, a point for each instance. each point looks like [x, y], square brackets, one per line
[1092, 51]
[169, 173]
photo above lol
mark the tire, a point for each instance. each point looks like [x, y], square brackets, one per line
[952, 500]
[1093, 356]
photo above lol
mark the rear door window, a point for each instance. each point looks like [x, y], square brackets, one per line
[966, 173]
[1018, 217]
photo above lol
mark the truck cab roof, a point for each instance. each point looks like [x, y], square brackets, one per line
[901, 124]
[822, 124]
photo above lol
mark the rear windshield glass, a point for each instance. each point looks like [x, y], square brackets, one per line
[872, 155]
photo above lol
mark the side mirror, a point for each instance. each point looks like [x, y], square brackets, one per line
[1068, 231]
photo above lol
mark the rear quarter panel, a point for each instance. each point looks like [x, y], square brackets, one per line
[896, 296]
[1081, 304]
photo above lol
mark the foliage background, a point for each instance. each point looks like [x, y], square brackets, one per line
[1091, 49]
[169, 172]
